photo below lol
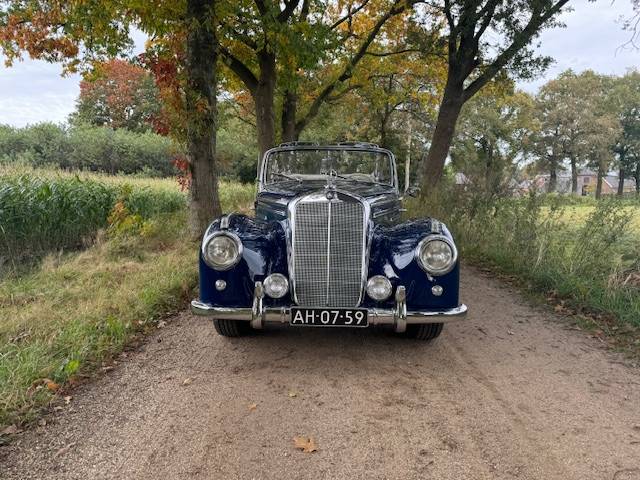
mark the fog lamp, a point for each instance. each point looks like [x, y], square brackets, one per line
[379, 288]
[276, 285]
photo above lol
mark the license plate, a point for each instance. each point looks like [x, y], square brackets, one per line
[329, 317]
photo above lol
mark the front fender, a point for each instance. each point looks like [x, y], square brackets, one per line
[264, 253]
[392, 254]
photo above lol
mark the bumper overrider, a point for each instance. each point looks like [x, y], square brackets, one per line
[399, 317]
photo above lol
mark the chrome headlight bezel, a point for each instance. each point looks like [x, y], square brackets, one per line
[427, 268]
[211, 237]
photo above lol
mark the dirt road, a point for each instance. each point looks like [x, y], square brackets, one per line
[510, 393]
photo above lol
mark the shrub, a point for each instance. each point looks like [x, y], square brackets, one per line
[589, 260]
[84, 147]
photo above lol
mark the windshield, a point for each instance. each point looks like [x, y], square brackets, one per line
[315, 164]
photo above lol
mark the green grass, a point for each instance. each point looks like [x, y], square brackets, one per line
[76, 310]
[586, 257]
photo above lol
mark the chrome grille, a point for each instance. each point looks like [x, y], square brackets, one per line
[328, 244]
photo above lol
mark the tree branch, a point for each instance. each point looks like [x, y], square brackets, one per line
[243, 72]
[288, 10]
[398, 52]
[349, 15]
[397, 8]
[507, 55]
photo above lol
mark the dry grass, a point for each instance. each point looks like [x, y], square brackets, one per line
[76, 310]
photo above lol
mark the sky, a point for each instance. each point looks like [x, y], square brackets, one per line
[34, 91]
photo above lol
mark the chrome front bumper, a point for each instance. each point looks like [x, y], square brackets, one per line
[259, 315]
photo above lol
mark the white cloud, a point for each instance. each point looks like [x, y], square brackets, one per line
[33, 91]
[594, 39]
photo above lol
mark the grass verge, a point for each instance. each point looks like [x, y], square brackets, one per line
[585, 261]
[63, 319]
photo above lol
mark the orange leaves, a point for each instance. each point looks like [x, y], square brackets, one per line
[306, 444]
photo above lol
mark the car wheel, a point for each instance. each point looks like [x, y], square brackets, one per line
[232, 328]
[426, 332]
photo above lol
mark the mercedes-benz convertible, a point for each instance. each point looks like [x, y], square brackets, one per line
[327, 248]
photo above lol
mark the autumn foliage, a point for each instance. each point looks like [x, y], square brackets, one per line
[120, 94]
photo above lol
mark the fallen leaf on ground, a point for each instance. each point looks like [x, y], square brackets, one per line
[10, 430]
[65, 449]
[293, 394]
[306, 444]
[51, 385]
[187, 381]
[253, 406]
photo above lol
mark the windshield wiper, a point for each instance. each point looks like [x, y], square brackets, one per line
[285, 175]
[366, 182]
[334, 174]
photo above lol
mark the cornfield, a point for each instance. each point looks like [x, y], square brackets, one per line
[40, 213]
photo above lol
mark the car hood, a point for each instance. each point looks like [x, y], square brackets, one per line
[272, 203]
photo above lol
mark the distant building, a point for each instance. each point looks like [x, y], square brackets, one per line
[587, 182]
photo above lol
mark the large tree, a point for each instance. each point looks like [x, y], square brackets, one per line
[625, 99]
[79, 33]
[493, 136]
[295, 47]
[484, 37]
[120, 94]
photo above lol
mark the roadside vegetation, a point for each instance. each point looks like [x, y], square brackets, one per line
[46, 210]
[582, 256]
[72, 311]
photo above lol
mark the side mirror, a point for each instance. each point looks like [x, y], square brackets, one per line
[412, 191]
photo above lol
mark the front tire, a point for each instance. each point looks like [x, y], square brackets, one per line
[425, 332]
[232, 328]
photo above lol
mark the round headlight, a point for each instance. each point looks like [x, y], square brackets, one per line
[379, 288]
[222, 250]
[437, 255]
[276, 285]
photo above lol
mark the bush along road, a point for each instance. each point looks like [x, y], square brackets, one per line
[513, 392]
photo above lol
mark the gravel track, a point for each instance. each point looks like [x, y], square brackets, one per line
[512, 392]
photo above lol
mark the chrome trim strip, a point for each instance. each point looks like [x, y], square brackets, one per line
[376, 316]
[328, 279]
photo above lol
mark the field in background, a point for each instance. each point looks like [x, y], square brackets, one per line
[73, 311]
[43, 210]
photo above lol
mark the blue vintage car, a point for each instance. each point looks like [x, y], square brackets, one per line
[327, 248]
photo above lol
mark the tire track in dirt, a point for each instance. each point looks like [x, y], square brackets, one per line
[511, 393]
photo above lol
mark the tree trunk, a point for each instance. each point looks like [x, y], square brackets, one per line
[407, 164]
[574, 175]
[637, 177]
[553, 178]
[264, 96]
[288, 121]
[200, 71]
[621, 182]
[448, 114]
[599, 182]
